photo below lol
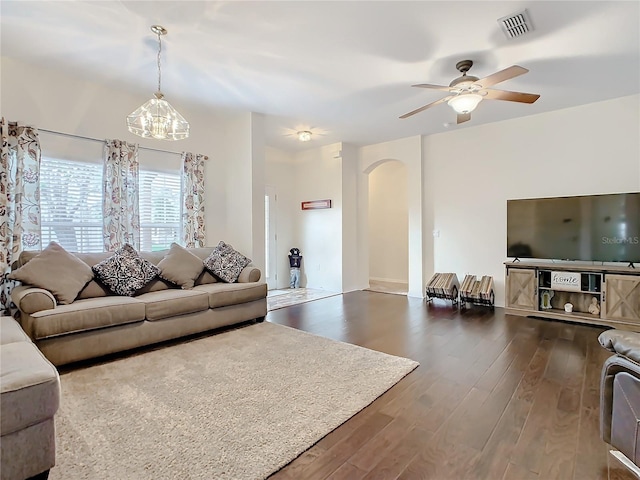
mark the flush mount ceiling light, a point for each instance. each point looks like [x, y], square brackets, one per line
[304, 135]
[465, 102]
[157, 118]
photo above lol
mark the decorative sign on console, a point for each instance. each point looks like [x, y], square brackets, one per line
[567, 281]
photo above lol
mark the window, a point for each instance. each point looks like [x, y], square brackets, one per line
[159, 210]
[71, 206]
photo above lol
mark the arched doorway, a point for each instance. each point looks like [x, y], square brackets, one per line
[388, 228]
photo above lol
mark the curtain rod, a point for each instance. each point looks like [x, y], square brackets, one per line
[102, 141]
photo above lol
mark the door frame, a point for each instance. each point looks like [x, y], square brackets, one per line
[271, 237]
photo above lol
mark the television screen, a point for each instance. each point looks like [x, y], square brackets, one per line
[595, 227]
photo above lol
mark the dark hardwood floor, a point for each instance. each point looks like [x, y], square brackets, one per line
[495, 397]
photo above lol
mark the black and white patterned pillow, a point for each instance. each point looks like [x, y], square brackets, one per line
[225, 263]
[125, 271]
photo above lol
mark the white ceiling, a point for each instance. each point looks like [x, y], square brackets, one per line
[341, 69]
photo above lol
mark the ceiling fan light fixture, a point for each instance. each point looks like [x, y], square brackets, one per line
[465, 103]
[304, 135]
[157, 118]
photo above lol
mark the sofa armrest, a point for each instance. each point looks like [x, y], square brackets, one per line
[612, 366]
[249, 274]
[31, 299]
[622, 342]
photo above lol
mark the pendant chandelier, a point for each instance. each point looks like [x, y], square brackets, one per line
[157, 118]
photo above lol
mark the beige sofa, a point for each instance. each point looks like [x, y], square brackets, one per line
[29, 399]
[98, 322]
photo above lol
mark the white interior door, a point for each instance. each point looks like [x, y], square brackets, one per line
[270, 237]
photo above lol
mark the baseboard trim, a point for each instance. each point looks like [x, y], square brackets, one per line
[390, 280]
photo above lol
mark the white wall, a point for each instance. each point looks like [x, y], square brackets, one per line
[58, 100]
[319, 177]
[469, 175]
[245, 188]
[388, 223]
[350, 246]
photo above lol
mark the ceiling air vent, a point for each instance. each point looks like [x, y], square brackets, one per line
[516, 25]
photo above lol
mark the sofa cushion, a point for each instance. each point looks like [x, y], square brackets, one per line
[206, 277]
[169, 303]
[226, 263]
[125, 271]
[224, 294]
[180, 266]
[56, 270]
[87, 314]
[11, 331]
[29, 387]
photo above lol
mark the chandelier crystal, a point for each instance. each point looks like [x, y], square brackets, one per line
[157, 118]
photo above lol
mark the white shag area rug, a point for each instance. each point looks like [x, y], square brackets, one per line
[236, 405]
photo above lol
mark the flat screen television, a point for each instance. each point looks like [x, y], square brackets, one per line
[604, 228]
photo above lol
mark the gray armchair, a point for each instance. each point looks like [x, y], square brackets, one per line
[620, 397]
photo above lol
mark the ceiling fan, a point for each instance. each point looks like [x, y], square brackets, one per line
[467, 91]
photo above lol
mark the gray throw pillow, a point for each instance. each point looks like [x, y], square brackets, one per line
[56, 270]
[125, 271]
[180, 266]
[226, 263]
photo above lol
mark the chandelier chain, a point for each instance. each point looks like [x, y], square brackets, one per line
[159, 70]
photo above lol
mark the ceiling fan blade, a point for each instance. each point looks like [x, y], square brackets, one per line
[502, 75]
[434, 87]
[511, 96]
[421, 109]
[463, 117]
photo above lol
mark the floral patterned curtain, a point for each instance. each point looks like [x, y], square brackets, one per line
[120, 205]
[19, 198]
[193, 199]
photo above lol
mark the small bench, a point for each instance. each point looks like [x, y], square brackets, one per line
[29, 399]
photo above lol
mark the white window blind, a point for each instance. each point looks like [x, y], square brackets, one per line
[71, 206]
[159, 210]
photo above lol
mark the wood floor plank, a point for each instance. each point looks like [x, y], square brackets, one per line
[516, 472]
[440, 460]
[591, 457]
[478, 425]
[396, 460]
[347, 471]
[366, 458]
[294, 469]
[529, 450]
[444, 399]
[332, 459]
[561, 437]
[496, 396]
[500, 446]
[496, 454]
